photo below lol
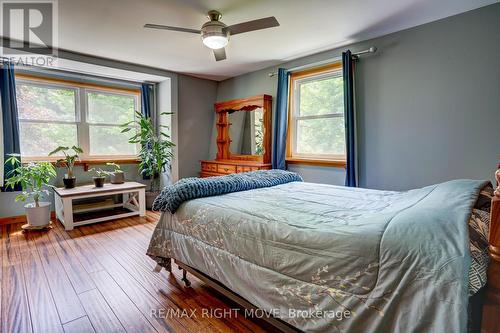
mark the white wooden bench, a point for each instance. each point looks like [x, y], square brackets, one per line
[133, 203]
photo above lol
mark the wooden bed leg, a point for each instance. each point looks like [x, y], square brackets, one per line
[185, 279]
[491, 307]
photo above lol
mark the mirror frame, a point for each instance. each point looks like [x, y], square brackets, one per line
[244, 104]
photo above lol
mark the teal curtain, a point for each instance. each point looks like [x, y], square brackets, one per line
[350, 119]
[280, 122]
[146, 90]
[146, 108]
[10, 118]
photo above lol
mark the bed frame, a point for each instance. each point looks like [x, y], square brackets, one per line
[492, 288]
[492, 303]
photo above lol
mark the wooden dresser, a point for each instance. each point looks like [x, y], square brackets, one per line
[258, 156]
[225, 167]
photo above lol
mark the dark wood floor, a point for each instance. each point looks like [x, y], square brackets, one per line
[97, 278]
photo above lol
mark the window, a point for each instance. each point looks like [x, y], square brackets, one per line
[57, 113]
[47, 118]
[316, 117]
[106, 112]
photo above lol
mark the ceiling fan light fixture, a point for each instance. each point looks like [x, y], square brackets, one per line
[215, 34]
[215, 42]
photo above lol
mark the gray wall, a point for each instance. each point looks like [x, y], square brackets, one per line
[428, 103]
[166, 102]
[196, 115]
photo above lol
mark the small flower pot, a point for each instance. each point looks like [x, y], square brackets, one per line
[117, 178]
[38, 216]
[69, 182]
[99, 181]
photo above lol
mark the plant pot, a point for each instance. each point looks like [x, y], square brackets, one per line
[150, 198]
[38, 216]
[69, 182]
[99, 181]
[117, 178]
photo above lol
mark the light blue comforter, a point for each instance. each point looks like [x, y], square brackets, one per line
[395, 261]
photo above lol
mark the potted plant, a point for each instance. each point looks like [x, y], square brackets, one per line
[70, 157]
[155, 154]
[100, 176]
[32, 177]
[117, 176]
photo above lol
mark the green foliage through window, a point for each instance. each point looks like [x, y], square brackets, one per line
[53, 115]
[318, 116]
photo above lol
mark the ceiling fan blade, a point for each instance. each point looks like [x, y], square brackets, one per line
[166, 27]
[259, 24]
[220, 54]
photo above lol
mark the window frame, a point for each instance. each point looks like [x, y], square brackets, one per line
[296, 79]
[87, 124]
[81, 116]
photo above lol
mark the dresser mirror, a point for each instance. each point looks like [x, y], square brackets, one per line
[243, 137]
[246, 132]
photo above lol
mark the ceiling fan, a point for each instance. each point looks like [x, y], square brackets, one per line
[215, 34]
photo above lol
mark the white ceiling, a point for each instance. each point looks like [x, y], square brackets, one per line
[114, 29]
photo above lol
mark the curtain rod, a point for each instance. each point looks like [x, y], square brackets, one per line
[372, 49]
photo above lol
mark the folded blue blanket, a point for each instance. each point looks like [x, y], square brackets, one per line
[172, 196]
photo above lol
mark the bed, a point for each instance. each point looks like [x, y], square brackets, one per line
[325, 258]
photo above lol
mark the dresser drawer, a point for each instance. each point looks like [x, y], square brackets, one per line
[245, 168]
[221, 167]
[211, 167]
[226, 168]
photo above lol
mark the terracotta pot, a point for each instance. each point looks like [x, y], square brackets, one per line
[150, 198]
[38, 216]
[69, 182]
[99, 181]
